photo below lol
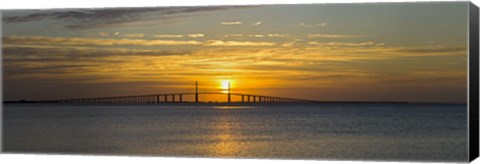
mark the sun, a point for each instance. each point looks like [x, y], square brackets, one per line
[224, 84]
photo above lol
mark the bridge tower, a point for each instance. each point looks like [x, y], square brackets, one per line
[229, 92]
[196, 91]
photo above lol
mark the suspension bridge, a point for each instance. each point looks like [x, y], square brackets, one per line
[180, 98]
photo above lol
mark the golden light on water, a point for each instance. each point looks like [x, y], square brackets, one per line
[226, 144]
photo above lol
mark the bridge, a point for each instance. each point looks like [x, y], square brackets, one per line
[179, 98]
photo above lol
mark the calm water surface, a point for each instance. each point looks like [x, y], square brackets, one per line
[413, 132]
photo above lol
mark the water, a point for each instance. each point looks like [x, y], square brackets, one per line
[412, 132]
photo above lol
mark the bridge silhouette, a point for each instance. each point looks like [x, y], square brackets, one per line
[179, 98]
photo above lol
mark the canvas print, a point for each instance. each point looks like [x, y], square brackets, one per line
[377, 81]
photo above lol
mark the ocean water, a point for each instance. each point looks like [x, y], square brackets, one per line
[333, 131]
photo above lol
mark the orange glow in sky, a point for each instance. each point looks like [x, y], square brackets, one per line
[317, 52]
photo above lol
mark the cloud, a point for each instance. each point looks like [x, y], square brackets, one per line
[433, 49]
[107, 34]
[93, 42]
[41, 40]
[104, 34]
[233, 35]
[231, 23]
[332, 36]
[278, 35]
[60, 62]
[257, 36]
[288, 44]
[380, 51]
[342, 44]
[236, 43]
[313, 25]
[369, 47]
[196, 35]
[86, 19]
[56, 53]
[257, 23]
[344, 66]
[178, 36]
[134, 35]
[167, 36]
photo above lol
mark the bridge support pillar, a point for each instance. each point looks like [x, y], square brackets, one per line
[196, 91]
[180, 97]
[243, 100]
[166, 99]
[173, 98]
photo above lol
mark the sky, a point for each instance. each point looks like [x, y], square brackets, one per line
[415, 52]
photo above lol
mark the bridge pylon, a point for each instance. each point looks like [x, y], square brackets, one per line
[196, 91]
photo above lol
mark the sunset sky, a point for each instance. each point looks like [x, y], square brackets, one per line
[414, 52]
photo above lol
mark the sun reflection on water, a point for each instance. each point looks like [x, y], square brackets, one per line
[226, 140]
[232, 107]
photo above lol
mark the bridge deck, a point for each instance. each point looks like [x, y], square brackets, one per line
[179, 98]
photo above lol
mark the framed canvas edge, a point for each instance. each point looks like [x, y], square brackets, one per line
[473, 67]
[1, 83]
[473, 91]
